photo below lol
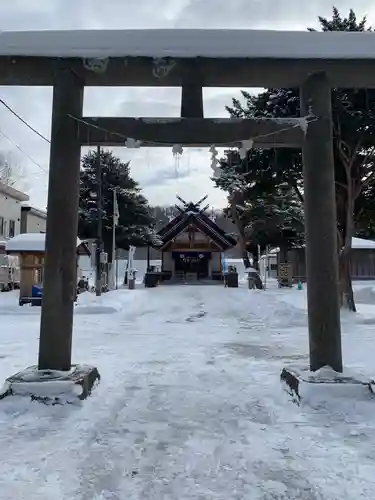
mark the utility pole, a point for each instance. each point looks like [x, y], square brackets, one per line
[99, 207]
[115, 217]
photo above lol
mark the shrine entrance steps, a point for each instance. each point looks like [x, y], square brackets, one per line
[181, 278]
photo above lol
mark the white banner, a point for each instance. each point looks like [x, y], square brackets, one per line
[130, 262]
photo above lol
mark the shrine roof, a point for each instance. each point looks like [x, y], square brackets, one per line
[192, 214]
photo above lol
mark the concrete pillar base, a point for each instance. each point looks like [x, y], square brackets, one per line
[314, 388]
[52, 387]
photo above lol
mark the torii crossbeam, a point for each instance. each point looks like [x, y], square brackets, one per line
[193, 132]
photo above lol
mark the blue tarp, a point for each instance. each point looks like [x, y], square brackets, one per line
[37, 291]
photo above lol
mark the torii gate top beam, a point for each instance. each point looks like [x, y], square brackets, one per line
[189, 43]
[223, 58]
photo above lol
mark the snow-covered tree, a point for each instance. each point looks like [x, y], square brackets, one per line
[163, 215]
[136, 225]
[276, 219]
[354, 149]
[265, 209]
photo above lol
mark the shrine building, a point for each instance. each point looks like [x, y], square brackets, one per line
[192, 244]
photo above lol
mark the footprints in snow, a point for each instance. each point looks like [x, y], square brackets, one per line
[196, 316]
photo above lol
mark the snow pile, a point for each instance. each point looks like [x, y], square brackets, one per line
[163, 43]
[87, 303]
[297, 299]
[107, 303]
[9, 305]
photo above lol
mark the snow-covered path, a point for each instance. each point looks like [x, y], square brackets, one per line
[189, 407]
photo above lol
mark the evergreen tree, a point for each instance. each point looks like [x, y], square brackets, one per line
[135, 224]
[276, 220]
[265, 201]
[354, 149]
[163, 214]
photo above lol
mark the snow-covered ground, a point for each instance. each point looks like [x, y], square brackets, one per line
[190, 404]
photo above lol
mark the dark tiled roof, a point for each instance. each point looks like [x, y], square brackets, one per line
[192, 215]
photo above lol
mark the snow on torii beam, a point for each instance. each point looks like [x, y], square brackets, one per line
[223, 58]
[193, 132]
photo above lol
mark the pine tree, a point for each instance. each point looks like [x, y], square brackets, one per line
[276, 220]
[136, 222]
[354, 149]
[264, 203]
[163, 215]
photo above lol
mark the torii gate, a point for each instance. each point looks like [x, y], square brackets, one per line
[191, 59]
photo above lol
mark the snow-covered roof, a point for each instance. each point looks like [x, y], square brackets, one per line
[357, 244]
[189, 43]
[11, 191]
[29, 242]
[34, 211]
[362, 244]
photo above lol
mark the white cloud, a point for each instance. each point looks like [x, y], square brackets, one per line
[155, 169]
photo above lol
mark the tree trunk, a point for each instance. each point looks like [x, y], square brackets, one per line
[245, 257]
[256, 260]
[241, 236]
[241, 230]
[345, 277]
[346, 286]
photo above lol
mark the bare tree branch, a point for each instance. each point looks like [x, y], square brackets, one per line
[298, 192]
[11, 172]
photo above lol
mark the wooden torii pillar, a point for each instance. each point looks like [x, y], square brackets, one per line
[60, 271]
[321, 226]
[192, 92]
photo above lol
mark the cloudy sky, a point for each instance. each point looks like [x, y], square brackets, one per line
[157, 171]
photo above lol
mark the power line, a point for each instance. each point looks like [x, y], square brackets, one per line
[23, 152]
[24, 121]
[92, 125]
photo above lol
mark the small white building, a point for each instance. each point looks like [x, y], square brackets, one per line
[362, 261]
[10, 211]
[33, 220]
